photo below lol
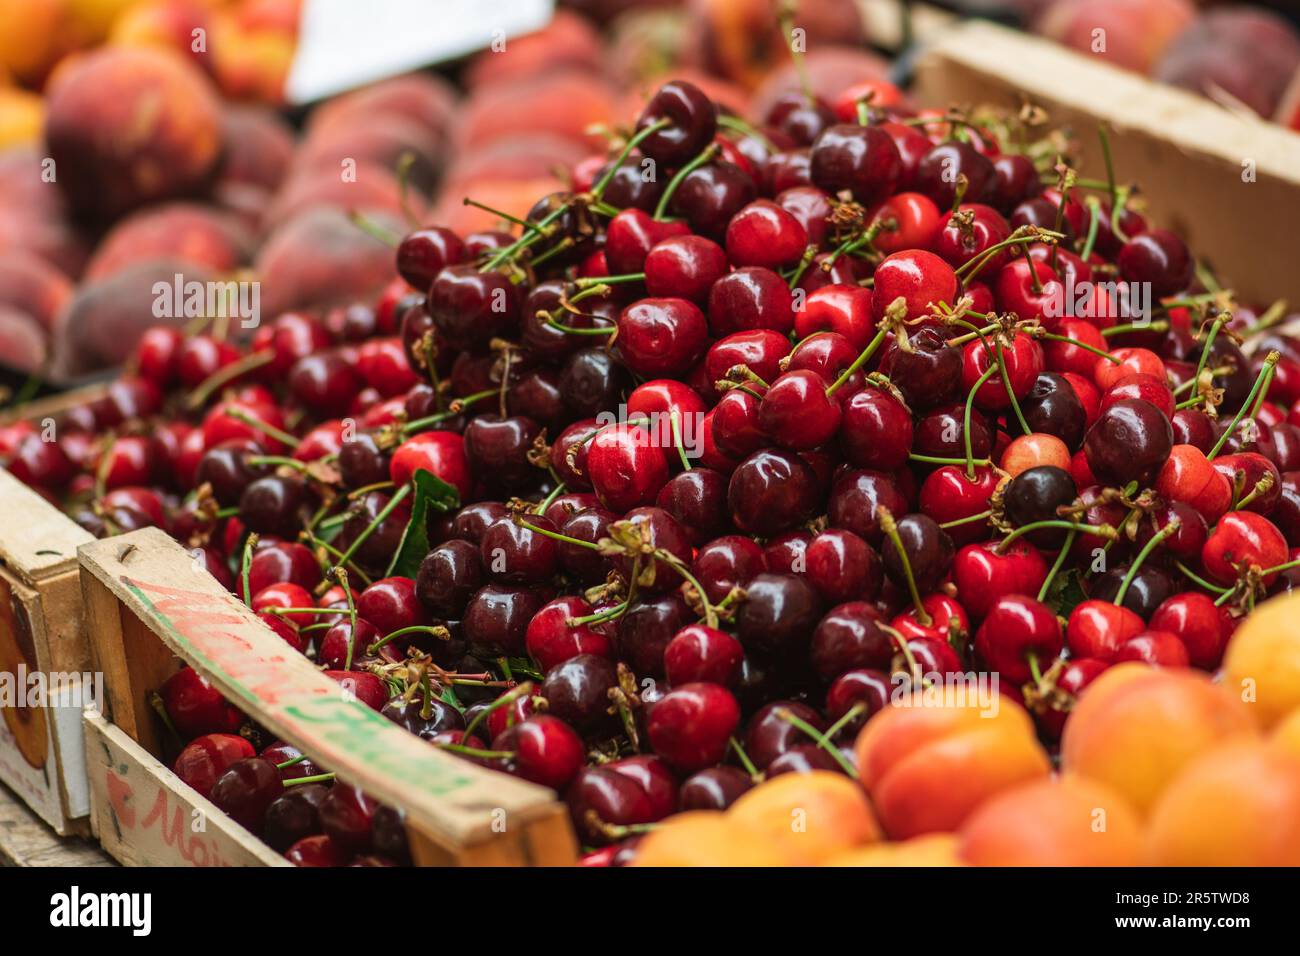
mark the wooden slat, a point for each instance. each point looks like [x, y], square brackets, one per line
[26, 841]
[454, 803]
[37, 540]
[1185, 153]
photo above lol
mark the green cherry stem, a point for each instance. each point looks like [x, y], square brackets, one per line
[1169, 529]
[890, 528]
[1060, 561]
[858, 362]
[970, 400]
[598, 190]
[706, 156]
[1260, 390]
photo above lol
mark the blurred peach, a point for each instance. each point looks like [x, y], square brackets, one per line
[831, 69]
[167, 24]
[926, 767]
[383, 139]
[363, 186]
[30, 284]
[258, 146]
[1262, 662]
[933, 849]
[1136, 727]
[33, 214]
[703, 838]
[428, 100]
[512, 196]
[807, 817]
[1238, 805]
[1066, 821]
[22, 114]
[130, 126]
[565, 102]
[189, 231]
[568, 41]
[1126, 33]
[24, 345]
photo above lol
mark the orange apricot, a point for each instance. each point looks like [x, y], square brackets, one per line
[1262, 662]
[933, 849]
[703, 838]
[807, 817]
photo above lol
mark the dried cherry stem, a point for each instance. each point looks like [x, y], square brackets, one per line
[245, 567]
[890, 528]
[1262, 487]
[858, 362]
[822, 740]
[706, 155]
[226, 374]
[970, 400]
[1258, 392]
[1058, 564]
[1100, 530]
[1156, 539]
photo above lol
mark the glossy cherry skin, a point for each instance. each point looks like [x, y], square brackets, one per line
[983, 576]
[764, 234]
[1053, 407]
[196, 707]
[1254, 474]
[1159, 257]
[778, 615]
[625, 466]
[655, 777]
[449, 576]
[842, 567]
[861, 159]
[845, 309]
[470, 307]
[661, 337]
[599, 796]
[928, 548]
[343, 647]
[1197, 623]
[929, 373]
[876, 430]
[770, 492]
[1015, 629]
[294, 816]
[1097, 629]
[727, 562]
[1157, 648]
[709, 197]
[496, 618]
[855, 498]
[246, 789]
[699, 653]
[690, 727]
[918, 277]
[768, 734]
[423, 253]
[577, 691]
[714, 788]
[850, 637]
[551, 639]
[698, 500]
[206, 758]
[684, 267]
[316, 851]
[761, 350]
[830, 354]
[1240, 540]
[442, 453]
[692, 120]
[1023, 358]
[1187, 476]
[750, 298]
[546, 750]
[1130, 441]
[947, 495]
[937, 173]
[796, 411]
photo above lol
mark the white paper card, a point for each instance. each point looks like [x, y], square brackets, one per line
[347, 43]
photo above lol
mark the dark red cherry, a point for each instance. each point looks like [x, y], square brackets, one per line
[196, 707]
[727, 562]
[294, 816]
[1128, 442]
[778, 614]
[771, 491]
[709, 197]
[842, 567]
[698, 500]
[690, 120]
[684, 267]
[714, 788]
[246, 789]
[206, 758]
[577, 691]
[449, 576]
[600, 798]
[424, 253]
[750, 298]
[661, 337]
[929, 373]
[691, 726]
[850, 637]
[797, 412]
[876, 431]
[861, 159]
[855, 499]
[1158, 257]
[769, 734]
[470, 307]
[938, 171]
[496, 619]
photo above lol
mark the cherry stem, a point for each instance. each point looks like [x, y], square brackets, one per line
[1011, 393]
[1262, 487]
[1208, 344]
[291, 762]
[970, 399]
[706, 156]
[1279, 568]
[804, 262]
[316, 778]
[736, 124]
[373, 229]
[982, 516]
[590, 281]
[1198, 580]
[1169, 529]
[677, 439]
[1034, 670]
[1146, 325]
[849, 716]
[500, 214]
[640, 136]
[600, 616]
[1100, 353]
[1021, 236]
[574, 330]
[823, 741]
[1102, 530]
[744, 760]
[1057, 565]
[329, 548]
[278, 434]
[890, 528]
[457, 406]
[437, 630]
[935, 460]
[1094, 220]
[858, 362]
[1260, 389]
[476, 751]
[398, 497]
[549, 499]
[507, 698]
[227, 373]
[245, 567]
[554, 535]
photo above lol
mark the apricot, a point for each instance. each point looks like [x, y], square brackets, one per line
[165, 24]
[1262, 662]
[127, 126]
[33, 37]
[181, 230]
[927, 767]
[933, 849]
[1136, 727]
[250, 64]
[1287, 734]
[703, 838]
[1238, 805]
[807, 817]
[22, 115]
[1065, 821]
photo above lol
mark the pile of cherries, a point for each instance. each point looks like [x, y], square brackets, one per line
[748, 426]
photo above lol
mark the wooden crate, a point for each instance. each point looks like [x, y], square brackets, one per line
[42, 637]
[1230, 184]
[149, 606]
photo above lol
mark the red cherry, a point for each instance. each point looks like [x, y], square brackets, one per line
[691, 725]
[920, 278]
[1066, 357]
[684, 267]
[761, 350]
[625, 466]
[796, 411]
[631, 235]
[206, 758]
[948, 495]
[1243, 539]
[699, 653]
[1131, 360]
[968, 232]
[983, 575]
[1197, 623]
[551, 639]
[844, 309]
[842, 567]
[764, 234]
[660, 337]
[442, 453]
[547, 750]
[908, 221]
[1246, 471]
[876, 431]
[157, 354]
[1023, 358]
[383, 364]
[1016, 629]
[946, 617]
[1158, 648]
[1097, 629]
[750, 298]
[196, 707]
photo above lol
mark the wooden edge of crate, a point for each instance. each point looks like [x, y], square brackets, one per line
[148, 602]
[144, 815]
[1201, 168]
[37, 540]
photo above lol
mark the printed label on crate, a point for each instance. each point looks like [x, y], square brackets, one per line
[26, 743]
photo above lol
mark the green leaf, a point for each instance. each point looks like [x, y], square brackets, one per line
[448, 696]
[1066, 593]
[430, 492]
